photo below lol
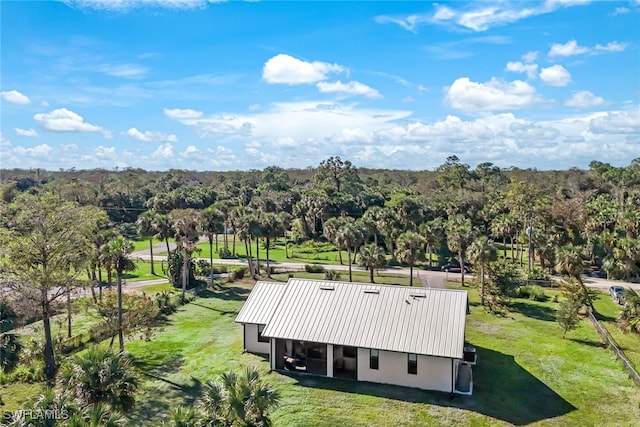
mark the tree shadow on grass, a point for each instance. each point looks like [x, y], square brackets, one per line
[161, 395]
[591, 343]
[502, 390]
[535, 311]
[227, 293]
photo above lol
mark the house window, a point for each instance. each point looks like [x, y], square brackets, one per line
[412, 366]
[260, 337]
[373, 359]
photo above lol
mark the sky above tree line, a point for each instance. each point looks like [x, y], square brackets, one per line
[206, 85]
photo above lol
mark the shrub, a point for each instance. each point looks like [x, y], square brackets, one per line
[532, 292]
[225, 253]
[313, 268]
[331, 275]
[240, 272]
[31, 372]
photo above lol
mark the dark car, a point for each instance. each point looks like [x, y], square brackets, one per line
[454, 267]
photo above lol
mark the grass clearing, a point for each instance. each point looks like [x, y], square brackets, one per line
[527, 374]
[608, 313]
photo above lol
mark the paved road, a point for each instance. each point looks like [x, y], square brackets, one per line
[433, 279]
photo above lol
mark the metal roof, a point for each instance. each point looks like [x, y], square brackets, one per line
[395, 318]
[262, 302]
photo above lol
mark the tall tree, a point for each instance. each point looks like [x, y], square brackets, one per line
[118, 253]
[371, 257]
[349, 236]
[569, 260]
[186, 226]
[481, 252]
[460, 235]
[410, 250]
[211, 223]
[146, 228]
[271, 228]
[44, 242]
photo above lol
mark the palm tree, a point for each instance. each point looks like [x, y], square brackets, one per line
[239, 399]
[569, 261]
[432, 232]
[100, 375]
[185, 225]
[211, 224]
[410, 250]
[482, 252]
[371, 257]
[182, 416]
[349, 236]
[116, 255]
[628, 251]
[146, 228]
[330, 231]
[97, 415]
[460, 235]
[271, 228]
[162, 225]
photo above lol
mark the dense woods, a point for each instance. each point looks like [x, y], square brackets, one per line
[592, 215]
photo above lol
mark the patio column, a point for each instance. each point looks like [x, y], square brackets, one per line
[330, 360]
[272, 354]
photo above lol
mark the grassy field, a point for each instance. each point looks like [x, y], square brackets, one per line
[527, 374]
[608, 312]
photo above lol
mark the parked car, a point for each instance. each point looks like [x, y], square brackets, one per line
[617, 294]
[454, 267]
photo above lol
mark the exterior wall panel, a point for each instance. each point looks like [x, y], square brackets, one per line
[251, 343]
[434, 373]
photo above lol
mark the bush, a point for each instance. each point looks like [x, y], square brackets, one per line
[332, 275]
[31, 372]
[240, 272]
[532, 292]
[225, 253]
[313, 268]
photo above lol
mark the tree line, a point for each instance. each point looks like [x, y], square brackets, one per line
[56, 225]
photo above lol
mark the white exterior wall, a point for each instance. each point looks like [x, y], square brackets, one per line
[251, 343]
[434, 373]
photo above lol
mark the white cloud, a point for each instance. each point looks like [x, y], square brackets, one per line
[611, 47]
[556, 75]
[15, 97]
[180, 114]
[494, 95]
[26, 132]
[151, 136]
[572, 48]
[286, 69]
[349, 88]
[479, 16]
[530, 57]
[63, 120]
[43, 150]
[165, 151]
[518, 67]
[584, 99]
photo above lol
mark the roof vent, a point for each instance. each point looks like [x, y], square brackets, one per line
[371, 290]
[418, 294]
[327, 287]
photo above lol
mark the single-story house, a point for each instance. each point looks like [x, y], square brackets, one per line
[387, 334]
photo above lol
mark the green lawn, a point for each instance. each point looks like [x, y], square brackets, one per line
[527, 374]
[608, 313]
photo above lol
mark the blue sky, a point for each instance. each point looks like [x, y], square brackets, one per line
[202, 85]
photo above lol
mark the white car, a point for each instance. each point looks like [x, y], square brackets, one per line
[616, 293]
